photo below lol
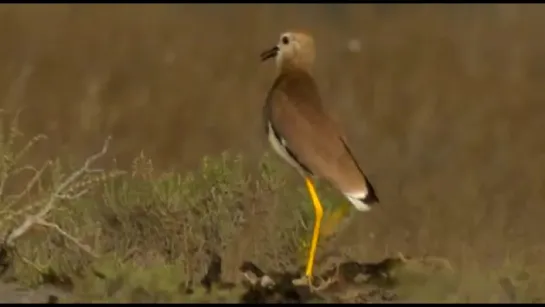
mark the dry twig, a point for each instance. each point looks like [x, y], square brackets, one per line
[62, 191]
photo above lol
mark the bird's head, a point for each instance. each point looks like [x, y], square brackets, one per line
[293, 50]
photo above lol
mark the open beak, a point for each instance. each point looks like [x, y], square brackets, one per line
[271, 53]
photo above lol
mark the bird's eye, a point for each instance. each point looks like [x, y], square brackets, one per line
[285, 40]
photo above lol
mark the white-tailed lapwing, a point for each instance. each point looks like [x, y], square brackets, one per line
[303, 134]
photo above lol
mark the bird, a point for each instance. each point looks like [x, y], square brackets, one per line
[302, 133]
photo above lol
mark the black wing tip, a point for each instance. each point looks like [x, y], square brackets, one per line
[371, 197]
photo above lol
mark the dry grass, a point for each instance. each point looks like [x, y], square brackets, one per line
[442, 105]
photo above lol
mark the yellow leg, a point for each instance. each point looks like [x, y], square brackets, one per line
[333, 219]
[319, 212]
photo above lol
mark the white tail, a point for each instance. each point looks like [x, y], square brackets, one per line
[363, 200]
[358, 200]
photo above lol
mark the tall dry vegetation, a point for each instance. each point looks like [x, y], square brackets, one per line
[443, 104]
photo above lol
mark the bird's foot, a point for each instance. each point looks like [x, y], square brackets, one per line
[309, 281]
[301, 281]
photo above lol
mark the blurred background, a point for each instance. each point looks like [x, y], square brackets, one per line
[443, 104]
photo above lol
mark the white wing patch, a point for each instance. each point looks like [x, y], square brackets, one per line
[279, 145]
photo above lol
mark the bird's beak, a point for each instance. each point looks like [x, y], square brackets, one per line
[270, 53]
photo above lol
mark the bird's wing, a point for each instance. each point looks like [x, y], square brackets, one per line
[314, 139]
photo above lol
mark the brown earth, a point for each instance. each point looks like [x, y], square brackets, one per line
[443, 105]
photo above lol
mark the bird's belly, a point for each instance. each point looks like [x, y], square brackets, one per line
[279, 147]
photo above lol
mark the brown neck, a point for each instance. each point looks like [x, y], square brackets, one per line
[299, 84]
[290, 68]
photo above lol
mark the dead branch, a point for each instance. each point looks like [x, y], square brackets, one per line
[12, 200]
[57, 194]
[11, 162]
[65, 234]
